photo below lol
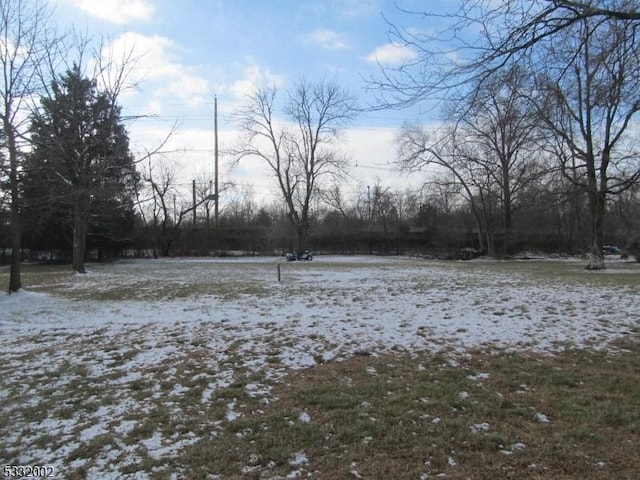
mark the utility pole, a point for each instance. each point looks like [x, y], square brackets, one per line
[194, 202]
[175, 212]
[216, 192]
[369, 219]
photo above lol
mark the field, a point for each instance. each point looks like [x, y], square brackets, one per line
[349, 367]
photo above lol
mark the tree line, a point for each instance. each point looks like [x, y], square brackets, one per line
[537, 148]
[436, 222]
[529, 88]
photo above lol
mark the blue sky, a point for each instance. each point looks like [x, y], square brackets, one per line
[191, 50]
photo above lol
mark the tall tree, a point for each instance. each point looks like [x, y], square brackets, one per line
[299, 147]
[82, 149]
[456, 165]
[584, 55]
[24, 41]
[587, 97]
[496, 131]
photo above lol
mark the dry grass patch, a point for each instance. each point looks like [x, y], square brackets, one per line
[574, 415]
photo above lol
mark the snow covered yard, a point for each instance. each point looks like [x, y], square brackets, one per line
[144, 369]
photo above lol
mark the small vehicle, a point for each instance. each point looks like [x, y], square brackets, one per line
[307, 255]
[610, 250]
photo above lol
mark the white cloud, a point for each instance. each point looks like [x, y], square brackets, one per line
[254, 77]
[117, 11]
[326, 39]
[154, 54]
[158, 68]
[392, 54]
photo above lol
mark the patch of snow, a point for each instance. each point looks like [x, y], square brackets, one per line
[328, 309]
[304, 417]
[542, 418]
[231, 413]
[178, 390]
[257, 389]
[153, 443]
[124, 427]
[480, 427]
[299, 458]
[353, 470]
[91, 432]
[478, 377]
[223, 380]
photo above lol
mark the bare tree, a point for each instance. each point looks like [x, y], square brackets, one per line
[487, 153]
[383, 206]
[497, 129]
[205, 194]
[334, 197]
[419, 149]
[24, 40]
[478, 38]
[299, 148]
[587, 98]
[584, 56]
[156, 198]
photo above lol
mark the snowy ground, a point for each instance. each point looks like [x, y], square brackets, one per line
[126, 322]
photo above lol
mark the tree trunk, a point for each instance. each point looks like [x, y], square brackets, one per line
[597, 202]
[15, 281]
[302, 236]
[507, 209]
[491, 246]
[480, 235]
[80, 226]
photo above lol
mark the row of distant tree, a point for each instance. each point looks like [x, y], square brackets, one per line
[380, 220]
[538, 147]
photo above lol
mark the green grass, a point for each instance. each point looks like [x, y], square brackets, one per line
[231, 281]
[149, 281]
[406, 421]
[381, 416]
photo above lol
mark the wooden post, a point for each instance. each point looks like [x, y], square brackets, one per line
[278, 267]
[216, 190]
[194, 203]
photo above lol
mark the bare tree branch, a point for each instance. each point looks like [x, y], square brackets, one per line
[300, 147]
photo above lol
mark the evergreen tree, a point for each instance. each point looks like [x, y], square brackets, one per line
[80, 173]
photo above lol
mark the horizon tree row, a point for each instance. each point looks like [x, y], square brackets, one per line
[437, 221]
